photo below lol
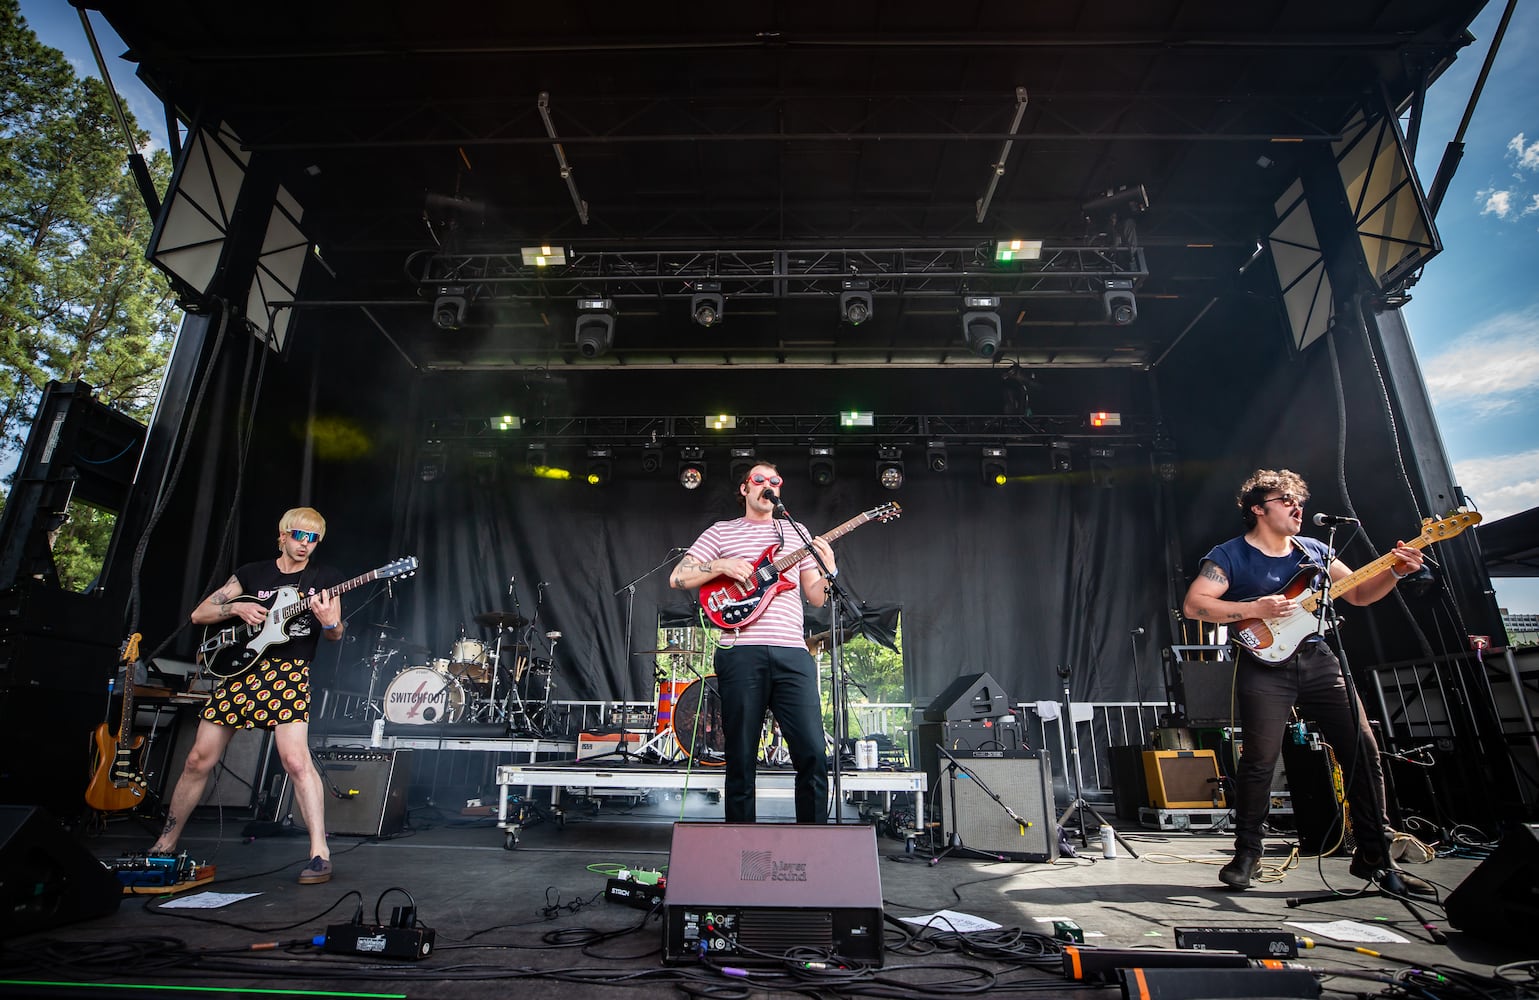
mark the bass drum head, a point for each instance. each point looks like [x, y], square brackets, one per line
[697, 723]
[422, 696]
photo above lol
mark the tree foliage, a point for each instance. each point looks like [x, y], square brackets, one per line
[78, 300]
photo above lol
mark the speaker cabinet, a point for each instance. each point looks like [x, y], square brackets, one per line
[1130, 789]
[239, 776]
[963, 737]
[364, 791]
[1183, 779]
[46, 877]
[1314, 774]
[971, 818]
[751, 892]
[971, 696]
[1500, 898]
[1206, 688]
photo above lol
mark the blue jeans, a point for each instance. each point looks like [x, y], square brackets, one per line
[784, 680]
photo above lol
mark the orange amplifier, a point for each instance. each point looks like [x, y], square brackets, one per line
[611, 744]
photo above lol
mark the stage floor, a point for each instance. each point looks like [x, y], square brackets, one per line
[532, 920]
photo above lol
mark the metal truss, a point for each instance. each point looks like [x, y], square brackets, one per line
[1062, 271]
[786, 430]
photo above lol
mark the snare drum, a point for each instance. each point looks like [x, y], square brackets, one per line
[421, 696]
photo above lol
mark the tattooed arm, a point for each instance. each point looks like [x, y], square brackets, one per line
[691, 572]
[221, 604]
[1205, 600]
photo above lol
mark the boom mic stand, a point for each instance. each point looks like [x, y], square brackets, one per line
[954, 842]
[1079, 805]
[837, 693]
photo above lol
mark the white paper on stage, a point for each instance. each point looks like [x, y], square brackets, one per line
[951, 920]
[206, 900]
[1351, 930]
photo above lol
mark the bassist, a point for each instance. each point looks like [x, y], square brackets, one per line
[765, 664]
[1241, 579]
[274, 692]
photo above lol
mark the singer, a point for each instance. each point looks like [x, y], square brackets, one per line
[1241, 579]
[767, 664]
[275, 693]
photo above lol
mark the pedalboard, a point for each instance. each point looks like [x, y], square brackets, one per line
[154, 874]
[637, 895]
[375, 941]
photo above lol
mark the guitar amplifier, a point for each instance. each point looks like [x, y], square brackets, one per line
[364, 791]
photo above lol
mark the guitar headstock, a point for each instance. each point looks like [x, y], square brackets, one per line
[130, 651]
[889, 511]
[1449, 525]
[405, 566]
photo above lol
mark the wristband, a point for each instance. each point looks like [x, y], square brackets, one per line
[328, 628]
[1397, 574]
[833, 574]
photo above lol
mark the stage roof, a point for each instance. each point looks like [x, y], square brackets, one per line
[781, 150]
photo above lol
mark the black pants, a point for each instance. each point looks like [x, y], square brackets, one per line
[784, 680]
[1310, 679]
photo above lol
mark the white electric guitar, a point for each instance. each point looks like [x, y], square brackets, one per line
[229, 650]
[1273, 640]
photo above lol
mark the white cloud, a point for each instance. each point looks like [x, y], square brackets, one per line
[1501, 484]
[1488, 368]
[1532, 206]
[1497, 203]
[1526, 154]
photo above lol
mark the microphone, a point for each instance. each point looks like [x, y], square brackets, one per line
[541, 585]
[1137, 631]
[769, 495]
[1321, 520]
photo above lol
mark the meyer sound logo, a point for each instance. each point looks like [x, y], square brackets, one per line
[761, 866]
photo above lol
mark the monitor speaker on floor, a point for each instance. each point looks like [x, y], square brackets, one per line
[364, 791]
[1500, 898]
[970, 818]
[47, 878]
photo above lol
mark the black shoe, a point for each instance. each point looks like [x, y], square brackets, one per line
[1390, 877]
[1238, 873]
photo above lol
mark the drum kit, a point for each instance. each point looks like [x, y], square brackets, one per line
[505, 680]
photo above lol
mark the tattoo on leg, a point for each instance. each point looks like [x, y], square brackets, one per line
[170, 824]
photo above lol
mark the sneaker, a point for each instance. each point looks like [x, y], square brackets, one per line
[1238, 873]
[316, 872]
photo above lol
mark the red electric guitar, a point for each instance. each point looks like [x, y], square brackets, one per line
[732, 605]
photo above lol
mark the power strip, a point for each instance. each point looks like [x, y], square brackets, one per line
[379, 942]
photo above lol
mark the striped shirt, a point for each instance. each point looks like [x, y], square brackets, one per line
[740, 538]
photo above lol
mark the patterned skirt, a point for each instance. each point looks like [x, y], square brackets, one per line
[269, 694]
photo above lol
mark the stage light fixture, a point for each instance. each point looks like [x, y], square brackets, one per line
[706, 306]
[935, 456]
[1060, 457]
[1118, 301]
[889, 467]
[1105, 418]
[432, 462]
[743, 459]
[980, 324]
[820, 465]
[1102, 462]
[855, 304]
[721, 421]
[857, 418]
[595, 327]
[691, 467]
[994, 469]
[449, 307]
[601, 466]
[1009, 251]
[651, 458]
[543, 256]
[508, 422]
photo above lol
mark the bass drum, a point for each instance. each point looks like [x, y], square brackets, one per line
[422, 696]
[697, 723]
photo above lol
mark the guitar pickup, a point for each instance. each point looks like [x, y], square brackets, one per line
[224, 637]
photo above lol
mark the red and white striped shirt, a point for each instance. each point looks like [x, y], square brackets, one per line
[740, 538]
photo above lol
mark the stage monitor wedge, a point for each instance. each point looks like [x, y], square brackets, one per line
[47, 878]
[971, 696]
[1500, 898]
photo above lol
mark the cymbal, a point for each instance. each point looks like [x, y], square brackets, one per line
[383, 627]
[500, 619]
[409, 648]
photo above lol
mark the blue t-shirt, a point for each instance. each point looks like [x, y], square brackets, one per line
[1252, 573]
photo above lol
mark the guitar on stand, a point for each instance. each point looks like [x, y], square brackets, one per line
[117, 778]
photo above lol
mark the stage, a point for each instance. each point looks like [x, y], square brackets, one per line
[535, 916]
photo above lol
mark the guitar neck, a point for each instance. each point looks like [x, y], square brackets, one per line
[790, 559]
[1361, 575]
[301, 606]
[126, 715]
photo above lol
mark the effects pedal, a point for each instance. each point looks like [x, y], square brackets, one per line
[637, 894]
[403, 938]
[151, 874]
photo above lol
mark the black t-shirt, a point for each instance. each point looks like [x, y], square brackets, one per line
[262, 580]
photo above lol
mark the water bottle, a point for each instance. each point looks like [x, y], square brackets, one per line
[1108, 841]
[377, 734]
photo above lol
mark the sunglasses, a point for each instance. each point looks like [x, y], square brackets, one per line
[1289, 499]
[759, 479]
[301, 535]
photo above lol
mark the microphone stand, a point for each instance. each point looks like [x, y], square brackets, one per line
[629, 590]
[1138, 685]
[953, 840]
[837, 694]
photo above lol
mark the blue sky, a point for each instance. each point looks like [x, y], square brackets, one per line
[1474, 316]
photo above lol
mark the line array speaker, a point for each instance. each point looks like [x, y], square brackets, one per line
[364, 791]
[970, 817]
[46, 877]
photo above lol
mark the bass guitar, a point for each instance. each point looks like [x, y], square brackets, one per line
[1273, 640]
[231, 649]
[117, 783]
[731, 605]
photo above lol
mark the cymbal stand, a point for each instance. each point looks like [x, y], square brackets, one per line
[377, 659]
